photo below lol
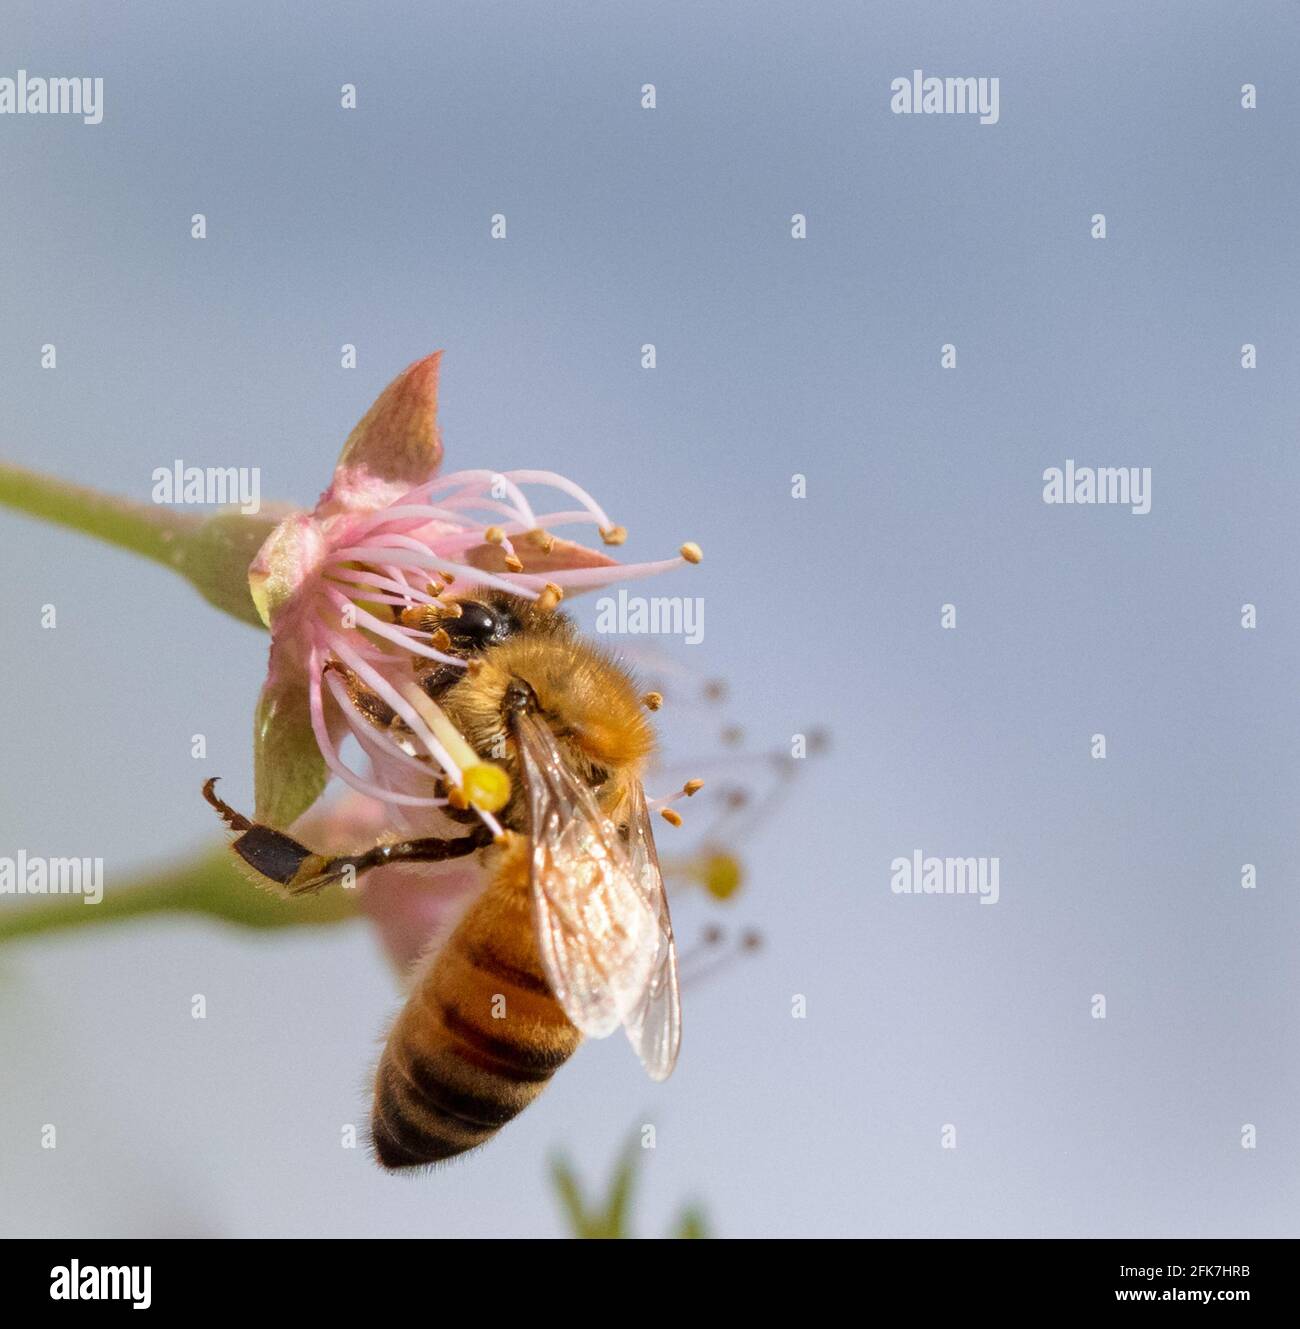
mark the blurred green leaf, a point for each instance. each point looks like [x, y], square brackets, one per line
[620, 1192]
[570, 1193]
[691, 1226]
[612, 1220]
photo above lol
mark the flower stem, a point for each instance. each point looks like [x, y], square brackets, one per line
[212, 552]
[142, 528]
[206, 884]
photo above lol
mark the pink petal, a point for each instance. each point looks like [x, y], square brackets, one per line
[393, 448]
[412, 908]
[292, 553]
[344, 824]
[410, 904]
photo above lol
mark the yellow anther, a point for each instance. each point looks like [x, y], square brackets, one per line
[720, 874]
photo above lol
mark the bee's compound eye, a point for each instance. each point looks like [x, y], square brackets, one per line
[476, 627]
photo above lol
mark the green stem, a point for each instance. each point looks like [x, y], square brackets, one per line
[209, 884]
[146, 529]
[210, 552]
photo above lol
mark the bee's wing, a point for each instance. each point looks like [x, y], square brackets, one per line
[597, 933]
[655, 1026]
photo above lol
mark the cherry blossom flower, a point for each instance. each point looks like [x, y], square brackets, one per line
[342, 588]
[392, 533]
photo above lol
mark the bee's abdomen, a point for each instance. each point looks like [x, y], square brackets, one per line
[475, 1044]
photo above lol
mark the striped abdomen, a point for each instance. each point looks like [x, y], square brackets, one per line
[478, 1038]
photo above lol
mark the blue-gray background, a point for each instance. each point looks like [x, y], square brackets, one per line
[821, 357]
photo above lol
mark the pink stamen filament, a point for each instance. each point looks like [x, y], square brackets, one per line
[393, 590]
[396, 702]
[379, 597]
[553, 481]
[510, 520]
[450, 543]
[487, 480]
[404, 637]
[370, 738]
[316, 708]
[432, 564]
[422, 511]
[664, 800]
[596, 578]
[476, 503]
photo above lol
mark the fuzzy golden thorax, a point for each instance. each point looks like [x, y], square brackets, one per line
[588, 700]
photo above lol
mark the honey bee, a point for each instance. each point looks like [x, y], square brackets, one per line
[570, 934]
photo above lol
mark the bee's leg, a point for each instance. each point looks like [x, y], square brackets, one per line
[286, 863]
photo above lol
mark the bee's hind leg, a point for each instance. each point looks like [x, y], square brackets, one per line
[296, 869]
[270, 853]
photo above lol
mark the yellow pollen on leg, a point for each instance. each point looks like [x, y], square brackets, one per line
[486, 787]
[483, 784]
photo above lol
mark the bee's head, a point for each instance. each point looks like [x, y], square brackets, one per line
[526, 659]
